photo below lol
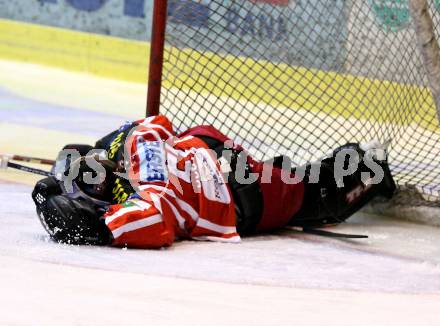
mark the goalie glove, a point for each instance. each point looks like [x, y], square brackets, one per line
[69, 220]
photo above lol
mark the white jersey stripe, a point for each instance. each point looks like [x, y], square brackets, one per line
[188, 208]
[179, 217]
[185, 206]
[181, 140]
[141, 203]
[120, 212]
[157, 187]
[155, 126]
[156, 202]
[215, 227]
[151, 220]
[234, 239]
[148, 124]
[142, 134]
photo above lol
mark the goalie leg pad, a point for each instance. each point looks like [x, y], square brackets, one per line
[325, 203]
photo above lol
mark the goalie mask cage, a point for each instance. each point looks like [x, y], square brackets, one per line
[300, 78]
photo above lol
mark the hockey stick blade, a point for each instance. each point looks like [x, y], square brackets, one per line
[333, 234]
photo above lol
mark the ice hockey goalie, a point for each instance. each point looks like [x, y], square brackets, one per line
[143, 186]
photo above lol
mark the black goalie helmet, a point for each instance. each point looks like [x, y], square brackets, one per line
[94, 179]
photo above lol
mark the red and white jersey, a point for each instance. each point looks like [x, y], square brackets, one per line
[181, 192]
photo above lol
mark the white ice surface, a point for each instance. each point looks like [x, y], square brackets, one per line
[265, 280]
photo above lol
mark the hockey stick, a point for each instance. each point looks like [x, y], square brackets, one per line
[5, 163]
[28, 169]
[30, 159]
[333, 234]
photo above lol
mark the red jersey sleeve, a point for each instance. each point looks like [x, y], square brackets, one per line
[139, 224]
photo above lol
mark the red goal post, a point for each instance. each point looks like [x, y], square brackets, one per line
[156, 56]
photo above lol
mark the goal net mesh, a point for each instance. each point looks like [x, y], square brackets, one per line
[300, 78]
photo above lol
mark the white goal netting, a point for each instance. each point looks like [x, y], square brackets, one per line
[302, 77]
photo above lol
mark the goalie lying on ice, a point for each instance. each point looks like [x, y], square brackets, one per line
[143, 186]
